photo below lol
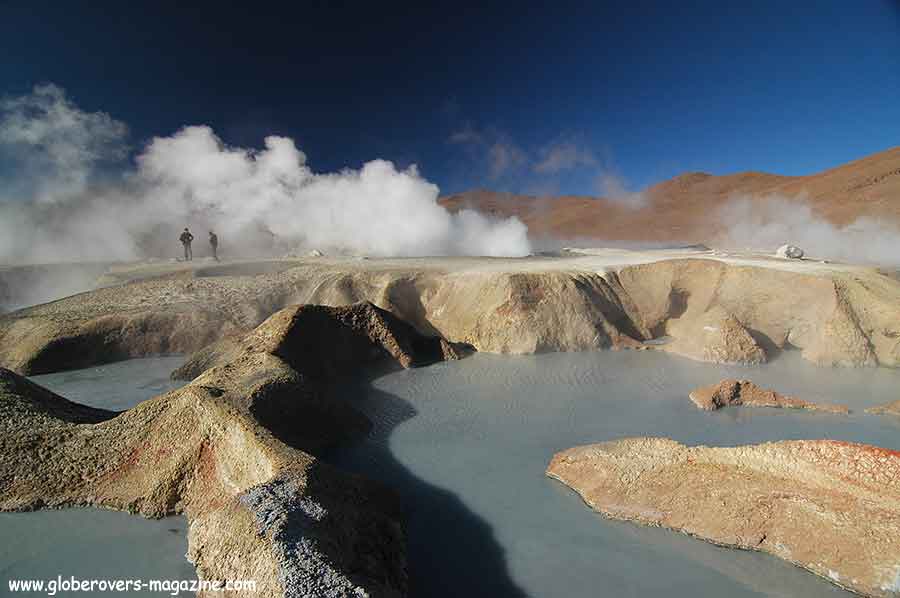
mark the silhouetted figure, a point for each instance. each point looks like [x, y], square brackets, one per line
[214, 243]
[186, 238]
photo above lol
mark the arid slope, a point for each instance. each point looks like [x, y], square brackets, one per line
[682, 209]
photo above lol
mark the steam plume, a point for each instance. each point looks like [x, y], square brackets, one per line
[768, 222]
[61, 206]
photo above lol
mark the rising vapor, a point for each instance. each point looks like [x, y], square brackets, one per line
[764, 223]
[61, 202]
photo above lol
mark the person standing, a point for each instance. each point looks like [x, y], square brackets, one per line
[214, 243]
[186, 238]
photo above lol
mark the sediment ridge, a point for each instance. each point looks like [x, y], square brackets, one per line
[233, 451]
[830, 507]
[707, 306]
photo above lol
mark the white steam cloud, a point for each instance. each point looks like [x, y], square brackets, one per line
[765, 223]
[59, 205]
[54, 145]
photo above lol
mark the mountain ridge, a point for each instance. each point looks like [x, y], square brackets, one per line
[685, 207]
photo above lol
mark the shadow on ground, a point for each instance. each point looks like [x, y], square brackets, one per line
[451, 551]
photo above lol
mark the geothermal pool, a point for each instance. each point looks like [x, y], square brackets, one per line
[94, 543]
[466, 444]
[115, 386]
[91, 544]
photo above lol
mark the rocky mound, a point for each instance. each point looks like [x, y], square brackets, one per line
[737, 310]
[356, 334]
[731, 392]
[830, 507]
[835, 319]
[715, 336]
[19, 395]
[229, 450]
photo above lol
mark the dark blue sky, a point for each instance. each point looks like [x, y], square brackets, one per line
[499, 95]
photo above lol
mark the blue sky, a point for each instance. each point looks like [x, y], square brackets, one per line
[552, 98]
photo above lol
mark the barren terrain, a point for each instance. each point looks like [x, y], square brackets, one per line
[234, 449]
[685, 208]
[707, 305]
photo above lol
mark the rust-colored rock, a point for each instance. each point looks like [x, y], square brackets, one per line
[830, 507]
[732, 392]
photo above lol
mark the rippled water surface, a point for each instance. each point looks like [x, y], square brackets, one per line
[466, 444]
[93, 543]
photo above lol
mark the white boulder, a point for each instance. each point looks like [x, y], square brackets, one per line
[789, 251]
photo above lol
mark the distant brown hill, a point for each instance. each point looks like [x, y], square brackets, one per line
[685, 208]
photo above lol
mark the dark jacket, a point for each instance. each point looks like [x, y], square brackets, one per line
[186, 237]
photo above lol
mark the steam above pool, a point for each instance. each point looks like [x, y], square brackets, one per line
[72, 195]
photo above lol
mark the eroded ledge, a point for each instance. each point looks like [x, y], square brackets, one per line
[830, 507]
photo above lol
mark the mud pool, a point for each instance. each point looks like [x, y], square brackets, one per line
[466, 444]
[115, 386]
[91, 544]
[94, 543]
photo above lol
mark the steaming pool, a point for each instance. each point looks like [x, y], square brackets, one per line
[466, 444]
[95, 543]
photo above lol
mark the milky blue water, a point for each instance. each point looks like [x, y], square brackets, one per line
[91, 544]
[115, 386]
[466, 444]
[94, 543]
